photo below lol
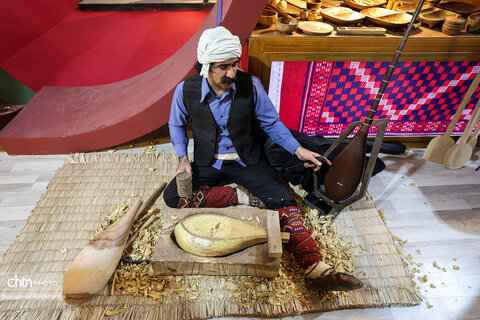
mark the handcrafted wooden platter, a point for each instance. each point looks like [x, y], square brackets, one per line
[459, 7]
[435, 16]
[411, 7]
[342, 15]
[364, 4]
[387, 18]
[315, 28]
[302, 4]
[169, 259]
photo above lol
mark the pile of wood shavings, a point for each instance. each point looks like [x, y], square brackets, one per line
[245, 291]
[143, 246]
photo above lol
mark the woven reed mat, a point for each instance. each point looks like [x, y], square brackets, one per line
[87, 187]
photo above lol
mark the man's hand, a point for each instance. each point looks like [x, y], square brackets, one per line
[184, 165]
[310, 158]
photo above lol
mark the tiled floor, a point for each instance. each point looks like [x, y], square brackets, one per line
[435, 209]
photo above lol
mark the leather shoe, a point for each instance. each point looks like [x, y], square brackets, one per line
[331, 280]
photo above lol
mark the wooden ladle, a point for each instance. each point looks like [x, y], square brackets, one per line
[459, 154]
[437, 148]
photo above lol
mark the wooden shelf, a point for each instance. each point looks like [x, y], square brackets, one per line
[424, 44]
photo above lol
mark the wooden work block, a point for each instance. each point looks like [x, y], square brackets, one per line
[170, 259]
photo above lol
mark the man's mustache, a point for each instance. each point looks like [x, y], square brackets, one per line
[228, 80]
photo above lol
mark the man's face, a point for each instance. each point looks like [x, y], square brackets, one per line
[222, 74]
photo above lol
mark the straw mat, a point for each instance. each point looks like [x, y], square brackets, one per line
[88, 186]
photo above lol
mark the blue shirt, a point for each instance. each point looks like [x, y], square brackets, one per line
[220, 106]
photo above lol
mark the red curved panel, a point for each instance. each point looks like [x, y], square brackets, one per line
[61, 120]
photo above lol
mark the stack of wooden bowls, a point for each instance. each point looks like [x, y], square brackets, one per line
[453, 25]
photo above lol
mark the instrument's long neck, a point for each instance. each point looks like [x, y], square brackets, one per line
[368, 120]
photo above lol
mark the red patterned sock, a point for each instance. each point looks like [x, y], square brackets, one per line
[301, 244]
[210, 197]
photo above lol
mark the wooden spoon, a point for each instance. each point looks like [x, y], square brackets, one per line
[459, 154]
[437, 148]
[94, 265]
[213, 235]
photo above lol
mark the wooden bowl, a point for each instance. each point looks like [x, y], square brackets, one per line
[459, 7]
[411, 7]
[386, 18]
[314, 4]
[473, 23]
[267, 18]
[286, 25]
[435, 16]
[342, 15]
[364, 4]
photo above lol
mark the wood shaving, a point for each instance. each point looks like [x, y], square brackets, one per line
[464, 223]
[456, 267]
[63, 250]
[423, 279]
[432, 286]
[429, 305]
[380, 212]
[435, 264]
[152, 169]
[110, 313]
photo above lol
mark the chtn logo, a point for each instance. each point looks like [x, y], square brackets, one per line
[17, 282]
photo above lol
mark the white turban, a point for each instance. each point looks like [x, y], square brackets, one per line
[217, 45]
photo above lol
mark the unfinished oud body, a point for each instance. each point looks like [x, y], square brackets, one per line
[212, 235]
[94, 265]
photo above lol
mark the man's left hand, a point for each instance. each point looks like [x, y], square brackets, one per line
[310, 158]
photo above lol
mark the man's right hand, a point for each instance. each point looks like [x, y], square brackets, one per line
[183, 165]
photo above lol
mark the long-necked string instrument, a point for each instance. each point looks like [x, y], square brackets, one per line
[344, 176]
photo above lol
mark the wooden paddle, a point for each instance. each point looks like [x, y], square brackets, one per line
[94, 265]
[459, 154]
[437, 148]
[344, 176]
[213, 235]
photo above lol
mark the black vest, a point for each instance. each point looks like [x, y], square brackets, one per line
[242, 125]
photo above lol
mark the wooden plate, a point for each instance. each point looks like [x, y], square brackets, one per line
[342, 15]
[435, 16]
[387, 18]
[459, 7]
[302, 4]
[315, 28]
[411, 7]
[364, 4]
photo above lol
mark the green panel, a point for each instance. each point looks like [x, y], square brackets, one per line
[13, 91]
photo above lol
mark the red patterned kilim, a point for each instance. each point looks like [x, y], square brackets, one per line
[301, 244]
[420, 99]
[210, 197]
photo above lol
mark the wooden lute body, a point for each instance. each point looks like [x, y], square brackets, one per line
[214, 235]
